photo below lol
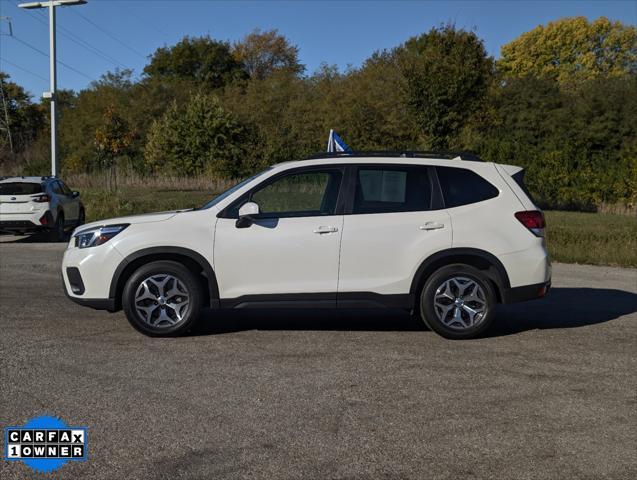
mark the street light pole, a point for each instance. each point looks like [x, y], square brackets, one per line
[53, 89]
[53, 72]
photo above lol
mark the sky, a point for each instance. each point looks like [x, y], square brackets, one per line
[106, 34]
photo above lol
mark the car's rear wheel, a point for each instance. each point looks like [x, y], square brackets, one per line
[458, 302]
[162, 298]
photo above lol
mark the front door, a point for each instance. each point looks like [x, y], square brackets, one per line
[291, 250]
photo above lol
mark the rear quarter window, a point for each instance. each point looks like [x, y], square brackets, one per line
[20, 188]
[463, 187]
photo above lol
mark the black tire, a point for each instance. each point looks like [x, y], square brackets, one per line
[153, 325]
[81, 218]
[459, 324]
[57, 233]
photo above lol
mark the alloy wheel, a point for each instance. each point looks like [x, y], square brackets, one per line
[162, 300]
[460, 303]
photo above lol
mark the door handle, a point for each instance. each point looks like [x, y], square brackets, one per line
[321, 230]
[432, 226]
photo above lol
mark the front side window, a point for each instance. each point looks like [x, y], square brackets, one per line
[65, 190]
[462, 187]
[392, 189]
[302, 194]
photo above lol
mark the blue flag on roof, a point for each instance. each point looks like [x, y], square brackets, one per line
[336, 143]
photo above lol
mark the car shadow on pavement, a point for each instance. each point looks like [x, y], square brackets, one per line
[561, 308]
[564, 308]
[40, 237]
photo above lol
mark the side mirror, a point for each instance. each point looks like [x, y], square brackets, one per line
[246, 213]
[75, 194]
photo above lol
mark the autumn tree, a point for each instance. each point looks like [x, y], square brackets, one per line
[262, 53]
[572, 49]
[112, 141]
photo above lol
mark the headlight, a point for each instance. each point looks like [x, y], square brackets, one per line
[93, 237]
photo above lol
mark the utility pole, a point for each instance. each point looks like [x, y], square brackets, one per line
[7, 125]
[53, 73]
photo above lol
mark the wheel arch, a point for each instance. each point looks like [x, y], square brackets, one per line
[480, 259]
[191, 259]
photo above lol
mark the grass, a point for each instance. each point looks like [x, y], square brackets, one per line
[573, 237]
[592, 238]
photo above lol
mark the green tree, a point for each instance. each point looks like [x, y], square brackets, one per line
[22, 119]
[262, 53]
[572, 49]
[202, 60]
[447, 72]
[195, 138]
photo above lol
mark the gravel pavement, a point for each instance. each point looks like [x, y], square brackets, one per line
[549, 392]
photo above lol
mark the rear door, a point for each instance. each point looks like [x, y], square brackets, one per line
[393, 222]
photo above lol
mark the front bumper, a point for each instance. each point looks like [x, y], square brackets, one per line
[87, 275]
[95, 303]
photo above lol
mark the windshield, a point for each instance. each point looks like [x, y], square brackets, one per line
[20, 188]
[231, 190]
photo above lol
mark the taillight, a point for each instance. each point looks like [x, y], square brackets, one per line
[533, 220]
[40, 198]
[43, 220]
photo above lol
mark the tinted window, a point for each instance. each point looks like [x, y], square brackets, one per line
[56, 188]
[461, 186]
[20, 188]
[519, 179]
[66, 190]
[392, 189]
[300, 194]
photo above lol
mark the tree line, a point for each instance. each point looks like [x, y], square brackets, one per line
[560, 101]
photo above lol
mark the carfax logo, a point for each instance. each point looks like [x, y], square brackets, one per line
[45, 443]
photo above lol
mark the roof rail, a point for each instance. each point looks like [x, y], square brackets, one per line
[469, 156]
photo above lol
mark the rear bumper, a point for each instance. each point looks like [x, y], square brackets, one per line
[25, 223]
[526, 292]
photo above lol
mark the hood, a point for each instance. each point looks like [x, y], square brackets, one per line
[133, 219]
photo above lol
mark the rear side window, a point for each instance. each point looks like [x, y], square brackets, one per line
[20, 188]
[462, 187]
[519, 179]
[389, 189]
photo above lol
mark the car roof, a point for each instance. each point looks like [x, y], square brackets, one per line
[26, 179]
[339, 160]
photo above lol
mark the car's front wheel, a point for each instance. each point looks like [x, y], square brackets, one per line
[458, 302]
[162, 298]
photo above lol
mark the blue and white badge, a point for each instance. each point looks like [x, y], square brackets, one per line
[45, 443]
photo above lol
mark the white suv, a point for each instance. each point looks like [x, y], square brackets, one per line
[447, 237]
[32, 204]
